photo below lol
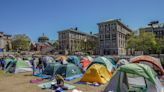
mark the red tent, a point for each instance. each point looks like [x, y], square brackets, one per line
[85, 63]
[148, 59]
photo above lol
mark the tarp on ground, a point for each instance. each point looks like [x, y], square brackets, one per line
[47, 85]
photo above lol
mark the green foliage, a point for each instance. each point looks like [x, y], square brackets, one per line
[21, 42]
[56, 44]
[144, 42]
[160, 44]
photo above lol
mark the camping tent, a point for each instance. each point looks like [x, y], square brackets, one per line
[89, 58]
[14, 66]
[47, 59]
[103, 61]
[51, 68]
[67, 71]
[111, 59]
[74, 59]
[96, 73]
[85, 63]
[134, 78]
[151, 61]
[121, 62]
[60, 56]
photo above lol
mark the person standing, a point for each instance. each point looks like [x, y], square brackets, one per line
[2, 62]
[32, 61]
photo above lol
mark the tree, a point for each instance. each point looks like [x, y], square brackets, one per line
[145, 42]
[56, 44]
[160, 45]
[21, 42]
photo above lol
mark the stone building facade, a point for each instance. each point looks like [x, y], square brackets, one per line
[5, 42]
[72, 40]
[157, 29]
[112, 37]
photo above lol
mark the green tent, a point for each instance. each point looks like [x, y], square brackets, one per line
[134, 78]
[103, 61]
[67, 71]
[14, 66]
[111, 59]
[74, 60]
[51, 68]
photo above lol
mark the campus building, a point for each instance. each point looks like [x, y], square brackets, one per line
[112, 37]
[72, 40]
[157, 29]
[5, 42]
[43, 44]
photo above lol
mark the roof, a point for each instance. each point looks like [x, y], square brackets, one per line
[116, 20]
[154, 26]
[76, 31]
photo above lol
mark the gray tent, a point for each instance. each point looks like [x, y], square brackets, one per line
[134, 78]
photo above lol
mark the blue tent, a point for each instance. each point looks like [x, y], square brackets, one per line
[74, 59]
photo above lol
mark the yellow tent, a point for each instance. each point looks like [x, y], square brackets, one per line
[97, 73]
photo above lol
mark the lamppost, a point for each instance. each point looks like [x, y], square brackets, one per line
[85, 41]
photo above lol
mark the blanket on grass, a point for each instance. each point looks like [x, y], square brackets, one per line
[47, 85]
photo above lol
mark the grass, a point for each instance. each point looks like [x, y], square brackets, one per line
[20, 83]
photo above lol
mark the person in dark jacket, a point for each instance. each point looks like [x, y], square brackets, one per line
[40, 65]
[32, 61]
[2, 62]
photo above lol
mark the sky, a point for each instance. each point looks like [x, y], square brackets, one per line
[35, 17]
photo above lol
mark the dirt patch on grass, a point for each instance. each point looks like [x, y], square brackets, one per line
[20, 83]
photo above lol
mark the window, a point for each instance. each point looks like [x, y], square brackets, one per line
[113, 36]
[109, 27]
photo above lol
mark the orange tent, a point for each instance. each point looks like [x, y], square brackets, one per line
[85, 63]
[59, 57]
[148, 59]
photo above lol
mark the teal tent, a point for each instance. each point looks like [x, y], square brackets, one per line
[111, 59]
[17, 66]
[51, 68]
[74, 59]
[89, 58]
[103, 61]
[68, 71]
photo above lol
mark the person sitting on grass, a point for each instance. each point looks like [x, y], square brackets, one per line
[59, 83]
